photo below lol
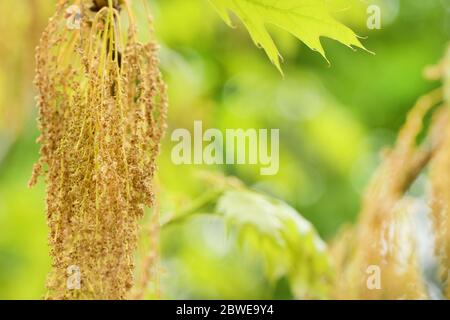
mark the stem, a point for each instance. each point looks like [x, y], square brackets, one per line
[194, 207]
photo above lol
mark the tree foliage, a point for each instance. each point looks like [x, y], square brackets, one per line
[307, 20]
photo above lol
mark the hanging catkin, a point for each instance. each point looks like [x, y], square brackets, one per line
[20, 33]
[384, 243]
[102, 112]
[440, 181]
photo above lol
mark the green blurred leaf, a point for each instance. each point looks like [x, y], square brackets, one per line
[289, 244]
[308, 20]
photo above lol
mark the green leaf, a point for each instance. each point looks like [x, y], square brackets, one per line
[308, 20]
[288, 243]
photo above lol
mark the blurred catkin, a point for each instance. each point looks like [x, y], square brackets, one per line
[440, 181]
[20, 26]
[385, 231]
[102, 114]
[384, 237]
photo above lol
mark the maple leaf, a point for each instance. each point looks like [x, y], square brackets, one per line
[308, 20]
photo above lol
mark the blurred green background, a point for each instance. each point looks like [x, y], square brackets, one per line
[333, 120]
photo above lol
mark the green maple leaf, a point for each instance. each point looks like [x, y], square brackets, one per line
[308, 20]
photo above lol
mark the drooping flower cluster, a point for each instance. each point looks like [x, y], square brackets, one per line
[20, 26]
[440, 181]
[384, 243]
[102, 113]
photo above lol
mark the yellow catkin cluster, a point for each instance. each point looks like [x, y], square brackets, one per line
[383, 243]
[148, 271]
[102, 113]
[440, 181]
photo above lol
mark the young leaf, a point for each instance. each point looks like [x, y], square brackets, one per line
[308, 20]
[289, 244]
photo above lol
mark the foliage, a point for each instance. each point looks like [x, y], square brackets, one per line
[308, 20]
[289, 244]
[270, 232]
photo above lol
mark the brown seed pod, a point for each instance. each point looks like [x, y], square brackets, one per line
[101, 122]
